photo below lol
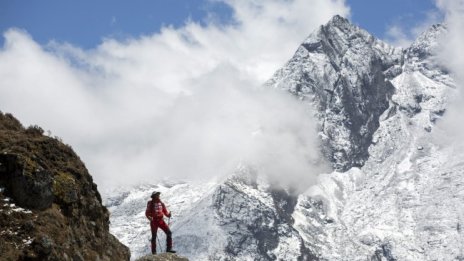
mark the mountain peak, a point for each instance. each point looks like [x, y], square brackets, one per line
[429, 39]
[338, 19]
[345, 76]
[340, 34]
[344, 25]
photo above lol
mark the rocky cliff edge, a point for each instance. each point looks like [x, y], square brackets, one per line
[50, 208]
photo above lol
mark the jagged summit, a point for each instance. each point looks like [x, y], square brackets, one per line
[345, 32]
[344, 72]
[428, 41]
[339, 21]
[422, 54]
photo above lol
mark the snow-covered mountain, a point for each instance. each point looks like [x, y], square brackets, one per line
[397, 191]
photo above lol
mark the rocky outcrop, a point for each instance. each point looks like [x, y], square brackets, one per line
[162, 257]
[262, 218]
[50, 209]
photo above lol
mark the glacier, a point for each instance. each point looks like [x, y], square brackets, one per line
[396, 190]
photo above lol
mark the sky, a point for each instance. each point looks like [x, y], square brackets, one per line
[152, 91]
[86, 23]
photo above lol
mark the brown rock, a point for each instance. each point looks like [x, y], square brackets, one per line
[50, 208]
[162, 257]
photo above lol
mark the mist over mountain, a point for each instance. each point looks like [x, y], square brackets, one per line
[146, 107]
[395, 192]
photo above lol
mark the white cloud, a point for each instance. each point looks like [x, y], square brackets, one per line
[452, 57]
[403, 34]
[184, 102]
[454, 19]
[397, 36]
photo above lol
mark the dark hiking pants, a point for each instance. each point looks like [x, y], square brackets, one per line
[159, 223]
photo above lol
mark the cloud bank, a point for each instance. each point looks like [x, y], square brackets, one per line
[452, 58]
[182, 103]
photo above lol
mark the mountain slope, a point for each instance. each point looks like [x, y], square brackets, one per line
[405, 202]
[50, 208]
[343, 71]
[238, 218]
[395, 193]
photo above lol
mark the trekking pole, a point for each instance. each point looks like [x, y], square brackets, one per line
[161, 248]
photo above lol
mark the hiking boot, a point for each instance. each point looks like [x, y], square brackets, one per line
[171, 251]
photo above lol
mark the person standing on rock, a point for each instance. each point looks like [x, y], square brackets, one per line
[155, 212]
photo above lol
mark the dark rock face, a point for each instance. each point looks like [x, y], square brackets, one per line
[29, 191]
[344, 72]
[256, 225]
[254, 220]
[384, 253]
[53, 210]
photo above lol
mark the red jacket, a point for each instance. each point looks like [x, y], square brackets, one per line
[156, 210]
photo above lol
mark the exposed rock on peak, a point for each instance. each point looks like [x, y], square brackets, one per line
[339, 21]
[344, 72]
[427, 42]
[421, 56]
